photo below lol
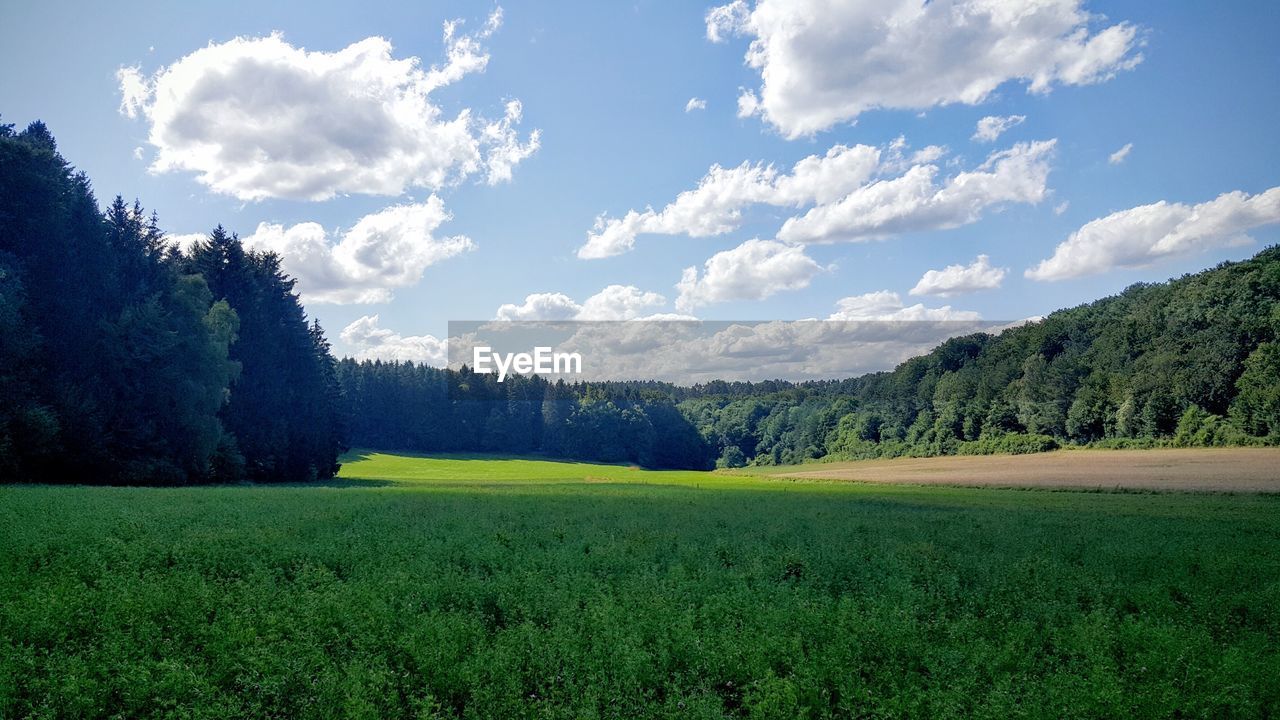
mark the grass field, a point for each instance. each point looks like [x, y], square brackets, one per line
[506, 588]
[1186, 469]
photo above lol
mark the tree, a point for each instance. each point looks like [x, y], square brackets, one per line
[1257, 405]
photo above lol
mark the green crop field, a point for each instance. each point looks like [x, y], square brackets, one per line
[507, 588]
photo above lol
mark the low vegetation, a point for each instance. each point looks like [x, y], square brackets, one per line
[483, 587]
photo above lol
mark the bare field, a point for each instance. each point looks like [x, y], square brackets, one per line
[1192, 469]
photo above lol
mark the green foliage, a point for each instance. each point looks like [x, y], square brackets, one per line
[470, 587]
[1197, 428]
[732, 457]
[1008, 444]
[1257, 407]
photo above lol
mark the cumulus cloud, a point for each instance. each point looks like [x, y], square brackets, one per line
[259, 118]
[754, 270]
[383, 251]
[715, 206]
[615, 302]
[886, 306]
[855, 193]
[371, 342]
[1120, 155]
[992, 127]
[961, 279]
[917, 201]
[695, 104]
[1140, 236]
[823, 62]
[540, 306]
[727, 20]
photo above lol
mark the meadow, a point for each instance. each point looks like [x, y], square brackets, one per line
[482, 587]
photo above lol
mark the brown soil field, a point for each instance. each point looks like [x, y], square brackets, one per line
[1192, 469]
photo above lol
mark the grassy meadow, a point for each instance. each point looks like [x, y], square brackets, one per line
[507, 588]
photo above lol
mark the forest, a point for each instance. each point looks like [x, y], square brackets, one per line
[125, 360]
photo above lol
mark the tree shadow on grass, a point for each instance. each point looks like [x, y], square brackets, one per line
[336, 482]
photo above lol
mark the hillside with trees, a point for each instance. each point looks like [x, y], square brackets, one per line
[123, 360]
[1191, 362]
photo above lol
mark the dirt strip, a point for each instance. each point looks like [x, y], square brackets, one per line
[1198, 469]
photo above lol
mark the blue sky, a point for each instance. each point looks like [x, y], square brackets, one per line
[1193, 88]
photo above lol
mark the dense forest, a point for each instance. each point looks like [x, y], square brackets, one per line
[1191, 362]
[123, 360]
[126, 360]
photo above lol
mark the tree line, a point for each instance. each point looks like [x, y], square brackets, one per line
[125, 360]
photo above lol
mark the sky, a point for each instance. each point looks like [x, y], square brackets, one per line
[420, 163]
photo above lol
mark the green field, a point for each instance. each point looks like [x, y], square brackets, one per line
[506, 588]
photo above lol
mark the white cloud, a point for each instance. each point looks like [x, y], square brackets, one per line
[886, 306]
[505, 149]
[915, 201]
[1061, 207]
[823, 62]
[992, 127]
[259, 118]
[715, 206]
[754, 270]
[961, 279]
[1140, 236]
[727, 20]
[185, 241]
[383, 251]
[135, 90]
[540, 306]
[615, 302]
[1120, 155]
[695, 104]
[620, 302]
[928, 154]
[850, 197]
[371, 342]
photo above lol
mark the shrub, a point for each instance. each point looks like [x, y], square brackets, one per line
[1008, 444]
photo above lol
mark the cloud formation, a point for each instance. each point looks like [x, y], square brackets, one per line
[855, 193]
[754, 270]
[961, 279]
[371, 342]
[383, 251]
[1120, 155]
[824, 62]
[695, 104]
[615, 302]
[259, 118]
[917, 201]
[715, 206]
[886, 306]
[1141, 236]
[991, 127]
